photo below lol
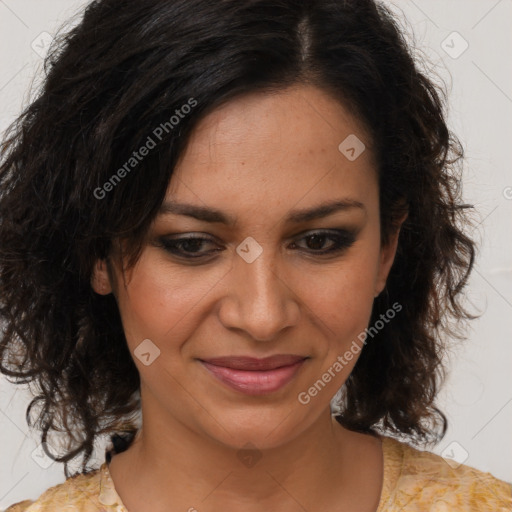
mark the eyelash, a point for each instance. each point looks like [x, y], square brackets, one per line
[342, 240]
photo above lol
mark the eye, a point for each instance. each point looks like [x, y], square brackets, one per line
[340, 240]
[187, 247]
[190, 247]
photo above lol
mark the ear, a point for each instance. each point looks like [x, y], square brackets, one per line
[100, 280]
[387, 256]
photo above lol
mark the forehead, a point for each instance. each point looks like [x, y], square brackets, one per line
[275, 148]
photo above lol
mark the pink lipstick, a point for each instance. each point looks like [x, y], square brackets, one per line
[254, 376]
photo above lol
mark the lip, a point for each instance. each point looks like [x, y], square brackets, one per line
[254, 363]
[254, 376]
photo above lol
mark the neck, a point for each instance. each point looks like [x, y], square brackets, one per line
[184, 470]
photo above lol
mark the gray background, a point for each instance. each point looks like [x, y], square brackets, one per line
[477, 397]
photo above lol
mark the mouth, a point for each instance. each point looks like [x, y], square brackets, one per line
[254, 376]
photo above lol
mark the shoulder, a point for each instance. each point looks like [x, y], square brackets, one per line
[80, 493]
[420, 478]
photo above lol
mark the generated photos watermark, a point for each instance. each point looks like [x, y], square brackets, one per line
[342, 361]
[150, 143]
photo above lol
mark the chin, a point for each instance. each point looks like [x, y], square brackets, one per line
[263, 430]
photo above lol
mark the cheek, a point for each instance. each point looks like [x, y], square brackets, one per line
[342, 301]
[164, 301]
[342, 295]
[157, 301]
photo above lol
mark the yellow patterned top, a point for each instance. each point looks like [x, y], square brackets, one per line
[414, 481]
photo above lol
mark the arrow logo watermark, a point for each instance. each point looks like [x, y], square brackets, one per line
[146, 352]
[351, 147]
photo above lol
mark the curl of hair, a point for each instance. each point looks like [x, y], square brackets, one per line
[120, 73]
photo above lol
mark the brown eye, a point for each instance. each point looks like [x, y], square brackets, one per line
[187, 247]
[339, 240]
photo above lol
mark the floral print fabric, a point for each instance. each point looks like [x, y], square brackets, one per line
[414, 481]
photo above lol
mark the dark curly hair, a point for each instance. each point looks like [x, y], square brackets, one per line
[125, 69]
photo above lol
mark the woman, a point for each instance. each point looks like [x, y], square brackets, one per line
[215, 216]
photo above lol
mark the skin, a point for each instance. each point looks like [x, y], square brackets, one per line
[256, 158]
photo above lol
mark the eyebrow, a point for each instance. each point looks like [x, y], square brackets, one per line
[217, 216]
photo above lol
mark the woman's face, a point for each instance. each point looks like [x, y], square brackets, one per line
[271, 280]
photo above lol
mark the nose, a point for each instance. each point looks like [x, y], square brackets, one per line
[259, 301]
